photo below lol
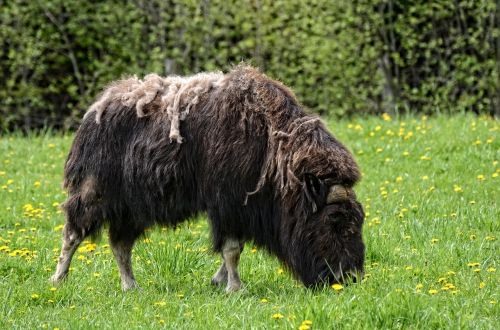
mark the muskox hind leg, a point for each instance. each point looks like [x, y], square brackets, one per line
[228, 271]
[122, 245]
[71, 241]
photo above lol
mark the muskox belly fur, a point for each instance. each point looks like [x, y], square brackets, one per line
[237, 146]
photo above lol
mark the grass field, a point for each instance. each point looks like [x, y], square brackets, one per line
[430, 190]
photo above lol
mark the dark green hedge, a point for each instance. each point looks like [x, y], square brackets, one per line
[341, 57]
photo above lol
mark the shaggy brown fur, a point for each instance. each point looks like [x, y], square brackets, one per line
[261, 168]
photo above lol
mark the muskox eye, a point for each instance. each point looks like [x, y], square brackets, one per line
[335, 217]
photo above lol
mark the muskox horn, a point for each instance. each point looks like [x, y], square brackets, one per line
[338, 193]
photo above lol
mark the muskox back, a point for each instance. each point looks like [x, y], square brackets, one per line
[160, 150]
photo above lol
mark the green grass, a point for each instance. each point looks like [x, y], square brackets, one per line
[431, 198]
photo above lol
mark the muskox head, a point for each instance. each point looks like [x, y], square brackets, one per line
[322, 220]
[328, 246]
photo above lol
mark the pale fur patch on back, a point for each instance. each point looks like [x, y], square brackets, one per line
[177, 96]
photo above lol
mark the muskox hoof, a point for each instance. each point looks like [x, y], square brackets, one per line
[56, 278]
[219, 279]
[130, 286]
[233, 287]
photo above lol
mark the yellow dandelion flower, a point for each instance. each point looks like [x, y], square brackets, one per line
[337, 287]
[386, 117]
[51, 145]
[491, 270]
[53, 289]
[450, 273]
[35, 296]
[473, 264]
[493, 302]
[490, 238]
[494, 175]
[434, 240]
[476, 270]
[304, 327]
[253, 250]
[160, 303]
[307, 322]
[425, 157]
[408, 135]
[277, 316]
[442, 279]
[477, 142]
[264, 301]
[37, 184]
[280, 271]
[480, 177]
[378, 150]
[433, 291]
[482, 285]
[161, 321]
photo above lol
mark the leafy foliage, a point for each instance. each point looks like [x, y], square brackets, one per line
[341, 57]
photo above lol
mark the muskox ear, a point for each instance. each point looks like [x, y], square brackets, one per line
[315, 191]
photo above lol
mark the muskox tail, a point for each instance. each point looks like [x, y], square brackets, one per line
[83, 208]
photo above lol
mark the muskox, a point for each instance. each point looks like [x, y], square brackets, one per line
[237, 146]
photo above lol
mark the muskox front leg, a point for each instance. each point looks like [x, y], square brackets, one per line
[228, 271]
[71, 241]
[220, 277]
